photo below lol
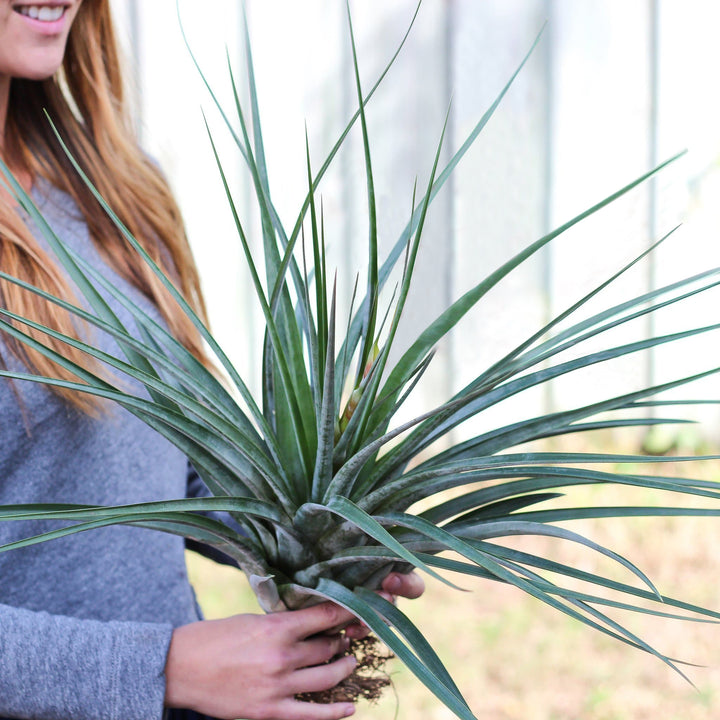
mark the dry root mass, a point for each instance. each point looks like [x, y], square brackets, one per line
[367, 681]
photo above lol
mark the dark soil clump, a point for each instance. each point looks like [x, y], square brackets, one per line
[368, 679]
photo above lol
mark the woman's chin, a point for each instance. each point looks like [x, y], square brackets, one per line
[40, 68]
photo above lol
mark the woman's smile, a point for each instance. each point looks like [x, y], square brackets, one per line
[45, 18]
[33, 36]
[44, 13]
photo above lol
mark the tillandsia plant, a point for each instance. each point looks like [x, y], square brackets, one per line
[319, 480]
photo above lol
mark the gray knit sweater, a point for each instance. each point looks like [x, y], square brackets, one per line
[85, 621]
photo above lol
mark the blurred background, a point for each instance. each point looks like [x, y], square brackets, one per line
[612, 89]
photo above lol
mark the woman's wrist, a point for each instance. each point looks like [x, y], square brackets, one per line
[178, 670]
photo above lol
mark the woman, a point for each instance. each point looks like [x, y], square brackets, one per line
[104, 624]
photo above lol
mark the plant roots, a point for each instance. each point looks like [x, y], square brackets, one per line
[367, 681]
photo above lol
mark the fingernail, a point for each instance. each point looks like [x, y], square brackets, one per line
[349, 710]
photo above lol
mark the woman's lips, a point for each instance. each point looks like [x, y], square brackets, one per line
[45, 18]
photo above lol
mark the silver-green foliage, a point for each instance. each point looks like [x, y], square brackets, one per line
[320, 499]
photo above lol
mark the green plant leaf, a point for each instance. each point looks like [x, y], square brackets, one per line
[369, 525]
[326, 422]
[417, 664]
[412, 635]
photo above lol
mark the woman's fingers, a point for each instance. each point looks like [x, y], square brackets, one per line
[320, 649]
[323, 677]
[298, 710]
[329, 618]
[357, 631]
[316, 619]
[407, 585]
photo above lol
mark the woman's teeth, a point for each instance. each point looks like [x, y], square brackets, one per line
[44, 13]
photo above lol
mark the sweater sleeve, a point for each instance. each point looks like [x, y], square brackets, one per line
[54, 667]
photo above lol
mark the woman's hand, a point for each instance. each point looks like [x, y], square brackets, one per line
[252, 666]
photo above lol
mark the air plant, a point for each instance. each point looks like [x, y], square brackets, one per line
[319, 479]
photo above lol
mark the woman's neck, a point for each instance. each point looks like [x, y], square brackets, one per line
[4, 101]
[22, 175]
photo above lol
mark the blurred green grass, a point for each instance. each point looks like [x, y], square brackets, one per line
[516, 659]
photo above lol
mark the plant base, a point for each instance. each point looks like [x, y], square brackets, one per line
[367, 681]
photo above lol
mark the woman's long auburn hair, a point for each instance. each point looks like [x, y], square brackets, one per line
[86, 102]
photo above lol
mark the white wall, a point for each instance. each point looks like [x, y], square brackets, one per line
[612, 88]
